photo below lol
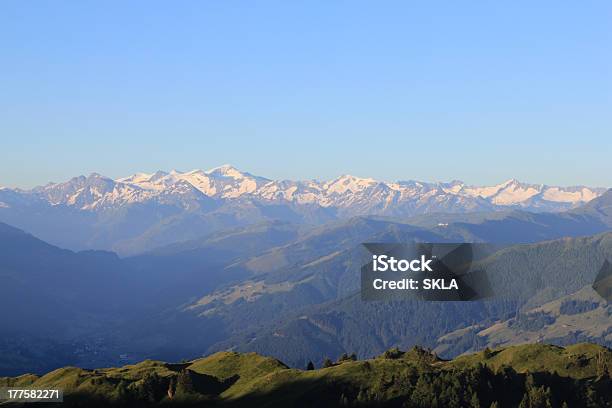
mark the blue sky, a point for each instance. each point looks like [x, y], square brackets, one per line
[478, 91]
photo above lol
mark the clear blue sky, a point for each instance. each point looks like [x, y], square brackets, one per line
[478, 91]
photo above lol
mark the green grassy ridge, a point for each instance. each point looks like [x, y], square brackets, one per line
[393, 379]
[577, 361]
[240, 369]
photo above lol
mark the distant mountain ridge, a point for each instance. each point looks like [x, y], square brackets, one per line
[143, 211]
[354, 195]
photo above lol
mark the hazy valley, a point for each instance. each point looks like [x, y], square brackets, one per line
[284, 286]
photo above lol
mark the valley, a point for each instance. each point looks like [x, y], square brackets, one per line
[291, 290]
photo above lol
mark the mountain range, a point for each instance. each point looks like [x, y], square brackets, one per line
[291, 290]
[140, 212]
[210, 261]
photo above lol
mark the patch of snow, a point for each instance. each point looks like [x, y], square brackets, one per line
[348, 183]
[559, 195]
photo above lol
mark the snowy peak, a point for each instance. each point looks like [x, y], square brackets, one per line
[507, 193]
[135, 178]
[348, 195]
[226, 170]
[513, 192]
[348, 183]
[233, 183]
[230, 172]
[570, 195]
[79, 191]
[221, 182]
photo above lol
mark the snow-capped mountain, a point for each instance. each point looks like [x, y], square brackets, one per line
[142, 211]
[348, 194]
[220, 182]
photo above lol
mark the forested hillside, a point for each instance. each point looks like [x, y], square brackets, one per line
[528, 376]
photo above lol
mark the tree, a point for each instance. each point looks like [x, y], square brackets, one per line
[525, 401]
[184, 382]
[475, 402]
[536, 397]
[151, 388]
[345, 357]
[393, 353]
[602, 367]
[123, 392]
[310, 366]
[327, 363]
